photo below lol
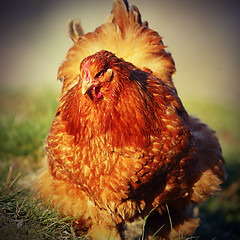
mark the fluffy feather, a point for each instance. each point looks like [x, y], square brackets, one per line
[127, 37]
[121, 142]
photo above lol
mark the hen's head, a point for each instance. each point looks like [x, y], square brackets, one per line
[96, 73]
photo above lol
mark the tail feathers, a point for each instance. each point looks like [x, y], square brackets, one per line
[75, 30]
[123, 34]
[123, 16]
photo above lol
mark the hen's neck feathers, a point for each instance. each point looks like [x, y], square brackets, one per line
[128, 101]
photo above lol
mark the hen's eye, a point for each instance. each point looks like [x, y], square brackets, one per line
[100, 74]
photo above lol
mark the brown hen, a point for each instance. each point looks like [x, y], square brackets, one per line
[121, 143]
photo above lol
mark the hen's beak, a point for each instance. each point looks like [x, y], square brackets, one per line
[86, 86]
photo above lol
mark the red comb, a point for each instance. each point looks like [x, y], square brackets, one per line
[86, 70]
[87, 65]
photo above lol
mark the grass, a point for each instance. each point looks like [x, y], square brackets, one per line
[23, 218]
[25, 119]
[24, 123]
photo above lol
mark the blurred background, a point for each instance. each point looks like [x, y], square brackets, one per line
[203, 37]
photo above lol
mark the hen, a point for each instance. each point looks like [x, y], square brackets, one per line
[121, 143]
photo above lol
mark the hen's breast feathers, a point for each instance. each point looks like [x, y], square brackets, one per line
[149, 139]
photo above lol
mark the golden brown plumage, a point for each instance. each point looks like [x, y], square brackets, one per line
[121, 142]
[123, 34]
